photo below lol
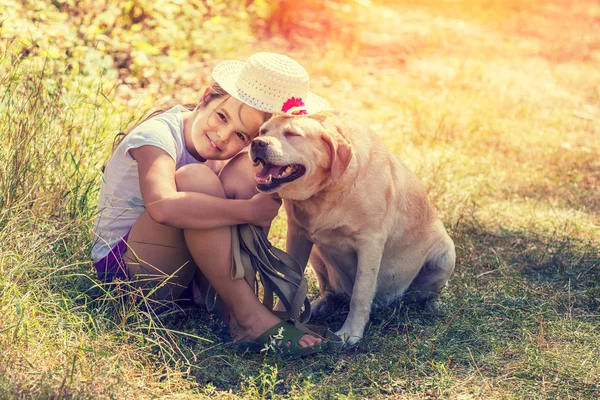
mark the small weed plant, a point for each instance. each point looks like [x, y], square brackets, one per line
[495, 105]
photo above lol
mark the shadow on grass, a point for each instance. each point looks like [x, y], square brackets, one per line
[520, 309]
[512, 294]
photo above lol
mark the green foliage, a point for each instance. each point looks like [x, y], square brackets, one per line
[263, 385]
[51, 126]
[494, 104]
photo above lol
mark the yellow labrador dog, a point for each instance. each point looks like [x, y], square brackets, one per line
[360, 211]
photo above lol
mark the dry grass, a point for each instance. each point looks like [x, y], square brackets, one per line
[496, 106]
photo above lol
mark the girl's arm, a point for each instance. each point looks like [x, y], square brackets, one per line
[216, 165]
[189, 210]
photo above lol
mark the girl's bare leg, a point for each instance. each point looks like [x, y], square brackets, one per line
[157, 256]
[157, 252]
[162, 251]
[213, 251]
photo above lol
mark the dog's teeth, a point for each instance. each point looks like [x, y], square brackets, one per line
[269, 179]
[286, 171]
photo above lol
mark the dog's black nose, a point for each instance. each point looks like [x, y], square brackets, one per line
[258, 143]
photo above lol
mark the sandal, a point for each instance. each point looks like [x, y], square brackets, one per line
[282, 339]
[257, 261]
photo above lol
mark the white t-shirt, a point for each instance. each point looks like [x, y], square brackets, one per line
[120, 202]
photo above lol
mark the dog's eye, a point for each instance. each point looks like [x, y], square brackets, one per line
[262, 132]
[290, 134]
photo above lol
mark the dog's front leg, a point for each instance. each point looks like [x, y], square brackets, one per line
[365, 285]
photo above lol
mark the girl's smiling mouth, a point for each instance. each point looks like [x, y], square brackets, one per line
[213, 144]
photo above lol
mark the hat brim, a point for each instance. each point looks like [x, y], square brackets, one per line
[226, 74]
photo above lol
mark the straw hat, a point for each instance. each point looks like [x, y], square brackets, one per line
[270, 82]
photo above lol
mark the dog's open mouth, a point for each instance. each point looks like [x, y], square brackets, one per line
[272, 176]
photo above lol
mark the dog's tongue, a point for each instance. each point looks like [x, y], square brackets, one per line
[269, 169]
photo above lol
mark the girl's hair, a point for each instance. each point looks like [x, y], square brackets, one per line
[215, 92]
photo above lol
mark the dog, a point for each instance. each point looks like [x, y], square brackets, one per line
[357, 211]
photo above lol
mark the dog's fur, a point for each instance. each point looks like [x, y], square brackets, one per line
[373, 229]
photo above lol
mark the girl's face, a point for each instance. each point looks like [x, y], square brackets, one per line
[222, 128]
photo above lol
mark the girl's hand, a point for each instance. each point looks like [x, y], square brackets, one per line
[263, 209]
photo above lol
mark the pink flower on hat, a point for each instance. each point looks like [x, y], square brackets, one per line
[294, 106]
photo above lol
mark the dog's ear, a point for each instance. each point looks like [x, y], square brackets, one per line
[318, 117]
[321, 117]
[341, 154]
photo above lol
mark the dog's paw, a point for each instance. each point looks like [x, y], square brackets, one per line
[433, 305]
[348, 337]
[321, 307]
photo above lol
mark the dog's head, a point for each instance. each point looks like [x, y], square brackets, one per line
[299, 155]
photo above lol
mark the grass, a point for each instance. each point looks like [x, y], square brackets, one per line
[494, 104]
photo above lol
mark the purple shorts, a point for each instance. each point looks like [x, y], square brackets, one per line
[113, 265]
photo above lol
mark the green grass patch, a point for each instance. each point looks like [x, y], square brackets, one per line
[495, 105]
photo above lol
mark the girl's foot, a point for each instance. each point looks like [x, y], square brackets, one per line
[251, 328]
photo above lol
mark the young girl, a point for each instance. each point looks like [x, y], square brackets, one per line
[166, 206]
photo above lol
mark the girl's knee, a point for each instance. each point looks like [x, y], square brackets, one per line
[237, 178]
[200, 179]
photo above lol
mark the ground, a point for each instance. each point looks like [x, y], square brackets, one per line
[494, 104]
